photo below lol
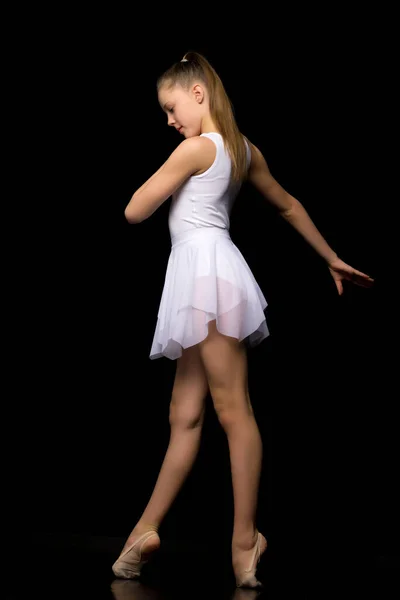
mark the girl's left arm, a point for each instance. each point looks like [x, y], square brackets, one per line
[295, 213]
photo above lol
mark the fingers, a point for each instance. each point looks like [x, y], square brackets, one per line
[346, 272]
[362, 275]
[359, 278]
[363, 282]
[362, 279]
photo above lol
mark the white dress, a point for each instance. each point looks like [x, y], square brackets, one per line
[207, 277]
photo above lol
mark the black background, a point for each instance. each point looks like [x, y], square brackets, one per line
[88, 410]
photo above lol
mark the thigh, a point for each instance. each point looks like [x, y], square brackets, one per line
[190, 387]
[225, 362]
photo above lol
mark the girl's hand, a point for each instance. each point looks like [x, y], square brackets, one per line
[340, 270]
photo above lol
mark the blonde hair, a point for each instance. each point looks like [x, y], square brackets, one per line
[194, 67]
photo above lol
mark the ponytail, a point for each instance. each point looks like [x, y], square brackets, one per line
[194, 67]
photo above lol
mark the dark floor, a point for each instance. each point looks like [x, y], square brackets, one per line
[79, 567]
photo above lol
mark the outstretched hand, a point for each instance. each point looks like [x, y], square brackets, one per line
[340, 271]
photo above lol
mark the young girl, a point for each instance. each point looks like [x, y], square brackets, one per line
[211, 308]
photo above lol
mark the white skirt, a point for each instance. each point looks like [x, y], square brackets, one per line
[207, 279]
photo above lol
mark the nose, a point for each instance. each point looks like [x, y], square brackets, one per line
[171, 120]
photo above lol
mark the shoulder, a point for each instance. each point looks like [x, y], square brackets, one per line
[196, 144]
[257, 157]
[198, 151]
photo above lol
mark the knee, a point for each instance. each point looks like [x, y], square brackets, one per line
[185, 417]
[231, 408]
[228, 417]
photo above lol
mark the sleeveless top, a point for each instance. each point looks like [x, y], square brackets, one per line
[206, 200]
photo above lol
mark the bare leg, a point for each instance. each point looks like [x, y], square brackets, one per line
[186, 417]
[181, 453]
[225, 362]
[180, 456]
[245, 450]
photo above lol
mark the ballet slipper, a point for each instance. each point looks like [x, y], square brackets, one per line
[129, 564]
[247, 579]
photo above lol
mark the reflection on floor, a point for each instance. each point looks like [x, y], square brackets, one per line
[77, 567]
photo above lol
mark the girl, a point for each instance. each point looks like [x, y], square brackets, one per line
[211, 308]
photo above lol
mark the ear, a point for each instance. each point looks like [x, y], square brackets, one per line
[198, 93]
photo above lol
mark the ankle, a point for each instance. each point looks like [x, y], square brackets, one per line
[142, 526]
[244, 540]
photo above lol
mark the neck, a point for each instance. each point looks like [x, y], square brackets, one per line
[208, 125]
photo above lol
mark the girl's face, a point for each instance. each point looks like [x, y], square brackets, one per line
[185, 109]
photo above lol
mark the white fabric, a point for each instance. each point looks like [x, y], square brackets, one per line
[205, 200]
[207, 277]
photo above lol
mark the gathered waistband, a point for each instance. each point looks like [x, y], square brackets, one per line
[199, 232]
